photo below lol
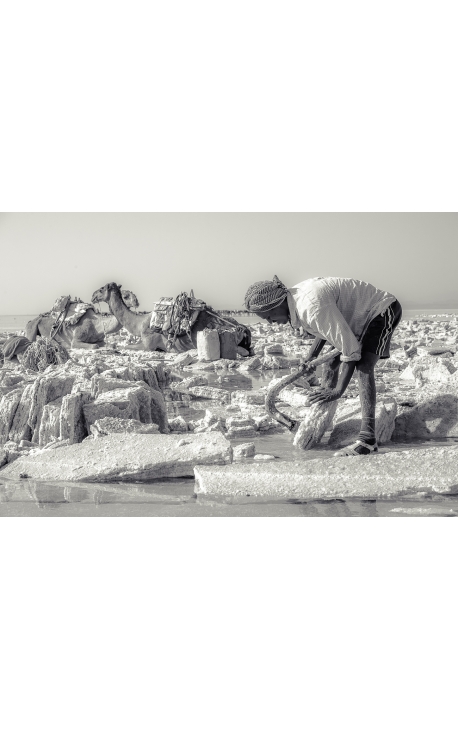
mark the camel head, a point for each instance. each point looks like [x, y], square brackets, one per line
[103, 294]
[129, 298]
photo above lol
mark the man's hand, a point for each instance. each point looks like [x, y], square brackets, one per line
[324, 395]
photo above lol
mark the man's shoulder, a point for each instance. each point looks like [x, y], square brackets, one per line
[307, 281]
[308, 284]
[313, 289]
[308, 297]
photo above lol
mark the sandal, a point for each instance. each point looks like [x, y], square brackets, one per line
[351, 450]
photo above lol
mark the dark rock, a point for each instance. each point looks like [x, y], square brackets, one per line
[8, 407]
[121, 425]
[434, 415]
[50, 422]
[72, 422]
[46, 389]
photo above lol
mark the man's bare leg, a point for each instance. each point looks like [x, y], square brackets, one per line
[366, 379]
[367, 396]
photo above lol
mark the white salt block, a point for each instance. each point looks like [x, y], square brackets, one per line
[318, 420]
[244, 451]
[208, 347]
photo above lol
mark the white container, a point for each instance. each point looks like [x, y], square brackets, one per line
[228, 345]
[208, 347]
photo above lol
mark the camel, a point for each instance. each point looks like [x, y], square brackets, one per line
[139, 324]
[88, 333]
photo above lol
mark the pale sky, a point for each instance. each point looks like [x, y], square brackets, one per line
[44, 255]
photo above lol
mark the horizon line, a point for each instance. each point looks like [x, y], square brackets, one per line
[235, 309]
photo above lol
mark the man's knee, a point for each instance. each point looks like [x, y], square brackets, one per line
[367, 363]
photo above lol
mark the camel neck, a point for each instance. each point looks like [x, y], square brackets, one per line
[112, 324]
[128, 319]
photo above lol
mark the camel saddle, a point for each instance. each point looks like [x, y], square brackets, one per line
[66, 311]
[69, 311]
[174, 316]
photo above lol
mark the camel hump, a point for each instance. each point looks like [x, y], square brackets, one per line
[31, 328]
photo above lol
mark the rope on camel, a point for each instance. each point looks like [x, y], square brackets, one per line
[240, 329]
[180, 317]
[44, 352]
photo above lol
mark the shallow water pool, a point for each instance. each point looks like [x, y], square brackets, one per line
[176, 498]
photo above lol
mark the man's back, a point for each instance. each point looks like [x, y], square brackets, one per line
[358, 301]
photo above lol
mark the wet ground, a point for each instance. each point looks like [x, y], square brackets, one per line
[176, 498]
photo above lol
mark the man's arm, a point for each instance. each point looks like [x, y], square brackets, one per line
[346, 371]
[315, 349]
[326, 395]
[347, 368]
[330, 323]
[333, 328]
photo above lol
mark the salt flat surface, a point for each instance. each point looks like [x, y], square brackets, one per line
[175, 497]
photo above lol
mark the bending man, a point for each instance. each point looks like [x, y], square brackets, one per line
[355, 317]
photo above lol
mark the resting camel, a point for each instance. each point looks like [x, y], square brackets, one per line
[88, 333]
[139, 324]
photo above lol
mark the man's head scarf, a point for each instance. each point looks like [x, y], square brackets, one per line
[265, 295]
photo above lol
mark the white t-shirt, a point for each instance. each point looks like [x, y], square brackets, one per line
[337, 310]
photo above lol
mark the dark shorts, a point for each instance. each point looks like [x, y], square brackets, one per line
[378, 335]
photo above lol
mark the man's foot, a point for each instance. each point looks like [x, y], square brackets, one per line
[359, 448]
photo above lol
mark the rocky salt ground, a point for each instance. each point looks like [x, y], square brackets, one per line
[125, 415]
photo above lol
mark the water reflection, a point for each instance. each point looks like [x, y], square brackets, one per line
[178, 495]
[368, 508]
[176, 498]
[324, 508]
[50, 495]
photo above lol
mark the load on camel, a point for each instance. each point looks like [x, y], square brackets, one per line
[73, 323]
[174, 322]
